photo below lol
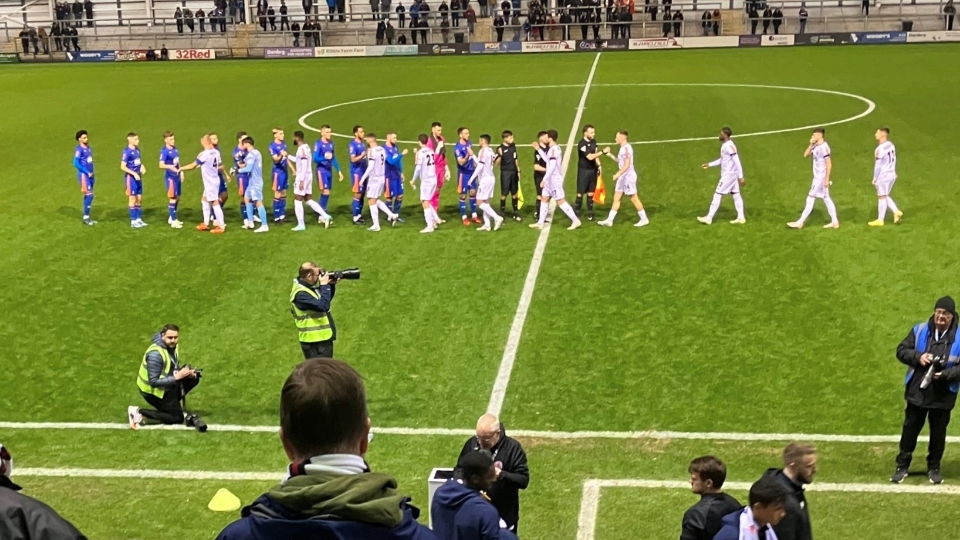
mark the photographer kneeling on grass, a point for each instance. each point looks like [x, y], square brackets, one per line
[165, 385]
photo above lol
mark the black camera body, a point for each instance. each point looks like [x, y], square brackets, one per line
[936, 366]
[346, 273]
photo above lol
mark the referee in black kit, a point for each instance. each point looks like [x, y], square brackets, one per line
[588, 169]
[539, 170]
[509, 174]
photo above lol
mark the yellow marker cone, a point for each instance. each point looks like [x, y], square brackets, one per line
[224, 501]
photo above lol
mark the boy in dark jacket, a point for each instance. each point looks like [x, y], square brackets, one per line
[461, 510]
[756, 522]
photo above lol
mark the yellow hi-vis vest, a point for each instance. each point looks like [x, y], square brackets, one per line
[143, 378]
[312, 326]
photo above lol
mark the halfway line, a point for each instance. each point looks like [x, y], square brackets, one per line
[499, 392]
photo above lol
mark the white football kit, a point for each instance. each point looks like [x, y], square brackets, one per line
[209, 161]
[426, 170]
[304, 178]
[627, 182]
[731, 171]
[484, 172]
[376, 173]
[821, 153]
[885, 169]
[553, 177]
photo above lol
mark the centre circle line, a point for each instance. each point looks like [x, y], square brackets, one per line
[871, 106]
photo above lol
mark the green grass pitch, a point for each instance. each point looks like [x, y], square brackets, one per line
[677, 326]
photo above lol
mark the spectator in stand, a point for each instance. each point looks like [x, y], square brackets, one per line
[151, 55]
[284, 21]
[77, 12]
[667, 23]
[88, 9]
[55, 32]
[505, 7]
[164, 54]
[188, 19]
[307, 29]
[23, 517]
[678, 23]
[455, 12]
[385, 9]
[24, 36]
[222, 16]
[626, 21]
[704, 520]
[75, 38]
[272, 18]
[865, 7]
[330, 491]
[948, 13]
[415, 17]
[402, 39]
[803, 19]
[443, 9]
[178, 15]
[767, 18]
[44, 40]
[375, 8]
[705, 22]
[716, 22]
[777, 20]
[34, 40]
[445, 28]
[667, 6]
[390, 32]
[471, 17]
[232, 10]
[498, 24]
[307, 6]
[424, 21]
[511, 471]
[381, 32]
[261, 16]
[610, 8]
[200, 15]
[331, 8]
[754, 18]
[401, 15]
[424, 24]
[242, 12]
[565, 24]
[653, 11]
[484, 9]
[614, 21]
[515, 24]
[341, 5]
[316, 33]
[295, 28]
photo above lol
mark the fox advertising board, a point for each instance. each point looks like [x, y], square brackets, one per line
[491, 48]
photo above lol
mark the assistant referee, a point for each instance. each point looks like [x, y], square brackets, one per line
[588, 169]
[310, 305]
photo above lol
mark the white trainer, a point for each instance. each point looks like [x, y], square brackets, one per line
[605, 223]
[795, 225]
[738, 221]
[262, 228]
[705, 220]
[374, 228]
[133, 415]
[642, 223]
[835, 225]
[326, 222]
[575, 225]
[427, 230]
[497, 222]
[483, 228]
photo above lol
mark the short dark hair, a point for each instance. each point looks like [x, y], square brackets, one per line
[885, 129]
[80, 133]
[485, 137]
[727, 131]
[709, 468]
[247, 140]
[624, 133]
[475, 463]
[541, 134]
[588, 126]
[435, 124]
[298, 135]
[167, 133]
[168, 327]
[768, 491]
[323, 407]
[821, 131]
[552, 133]
[371, 135]
[422, 138]
[460, 130]
[241, 134]
[325, 126]
[356, 129]
[131, 134]
[506, 133]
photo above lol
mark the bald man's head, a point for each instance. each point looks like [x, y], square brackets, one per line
[488, 431]
[308, 273]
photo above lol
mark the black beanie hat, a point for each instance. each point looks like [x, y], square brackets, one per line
[946, 303]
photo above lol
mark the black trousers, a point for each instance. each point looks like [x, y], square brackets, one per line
[913, 419]
[168, 408]
[319, 349]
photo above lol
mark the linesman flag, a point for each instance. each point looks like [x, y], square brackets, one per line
[600, 194]
[519, 197]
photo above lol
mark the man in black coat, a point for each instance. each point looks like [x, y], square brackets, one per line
[799, 468]
[24, 517]
[511, 467]
[704, 520]
[930, 352]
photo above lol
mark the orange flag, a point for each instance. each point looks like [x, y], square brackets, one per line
[600, 194]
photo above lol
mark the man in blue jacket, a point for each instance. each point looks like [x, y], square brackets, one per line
[768, 499]
[330, 493]
[461, 510]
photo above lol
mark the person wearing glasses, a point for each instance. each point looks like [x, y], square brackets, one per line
[510, 467]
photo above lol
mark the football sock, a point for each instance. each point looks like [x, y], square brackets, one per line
[568, 210]
[892, 205]
[375, 215]
[428, 216]
[324, 200]
[589, 202]
[397, 203]
[298, 210]
[249, 212]
[283, 206]
[714, 206]
[503, 204]
[578, 202]
[515, 202]
[244, 211]
[881, 208]
[206, 211]
[738, 204]
[386, 209]
[544, 208]
[172, 210]
[831, 209]
[473, 206]
[642, 214]
[262, 212]
[807, 209]
[218, 216]
[317, 208]
[356, 206]
[87, 202]
[488, 211]
[611, 215]
[463, 208]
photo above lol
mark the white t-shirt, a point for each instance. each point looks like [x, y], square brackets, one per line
[376, 165]
[425, 168]
[304, 167]
[821, 153]
[484, 164]
[209, 161]
[729, 162]
[626, 153]
[886, 162]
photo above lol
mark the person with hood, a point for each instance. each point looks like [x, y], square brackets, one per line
[756, 522]
[799, 468]
[931, 353]
[26, 517]
[461, 510]
[162, 382]
[510, 463]
[330, 492]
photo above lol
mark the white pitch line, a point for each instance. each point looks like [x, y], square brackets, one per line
[499, 392]
[162, 474]
[523, 433]
[592, 489]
